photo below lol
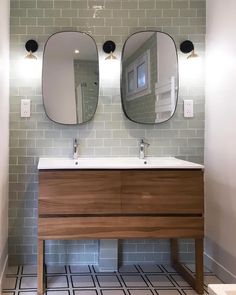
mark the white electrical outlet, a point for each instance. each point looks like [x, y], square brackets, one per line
[25, 108]
[188, 108]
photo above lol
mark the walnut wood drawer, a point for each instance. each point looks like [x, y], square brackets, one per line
[79, 192]
[120, 227]
[162, 191]
[120, 192]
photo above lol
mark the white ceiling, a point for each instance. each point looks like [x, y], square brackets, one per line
[134, 42]
[63, 45]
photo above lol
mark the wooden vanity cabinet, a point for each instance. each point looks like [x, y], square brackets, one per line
[122, 204]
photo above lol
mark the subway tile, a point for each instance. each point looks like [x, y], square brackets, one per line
[18, 12]
[28, 21]
[111, 4]
[126, 4]
[28, 4]
[120, 13]
[137, 13]
[181, 4]
[198, 4]
[163, 4]
[188, 12]
[62, 4]
[147, 4]
[154, 12]
[44, 4]
[170, 12]
[53, 12]
[46, 21]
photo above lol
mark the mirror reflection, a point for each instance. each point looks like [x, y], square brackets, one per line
[70, 77]
[149, 81]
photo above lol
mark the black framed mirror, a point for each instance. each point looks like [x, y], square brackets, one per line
[70, 80]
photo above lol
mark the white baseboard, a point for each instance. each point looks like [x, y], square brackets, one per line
[2, 273]
[219, 270]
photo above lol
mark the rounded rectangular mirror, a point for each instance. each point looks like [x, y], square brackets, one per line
[70, 78]
[149, 78]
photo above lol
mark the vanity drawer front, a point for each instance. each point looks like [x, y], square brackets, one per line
[120, 227]
[68, 192]
[162, 191]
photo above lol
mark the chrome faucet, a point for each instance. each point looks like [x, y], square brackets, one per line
[75, 149]
[142, 148]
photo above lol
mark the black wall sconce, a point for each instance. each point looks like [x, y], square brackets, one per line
[188, 47]
[31, 46]
[109, 47]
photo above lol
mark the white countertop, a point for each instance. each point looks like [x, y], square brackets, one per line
[117, 163]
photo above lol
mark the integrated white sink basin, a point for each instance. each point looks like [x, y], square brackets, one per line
[116, 163]
[222, 289]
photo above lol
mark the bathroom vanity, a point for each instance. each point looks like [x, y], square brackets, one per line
[122, 198]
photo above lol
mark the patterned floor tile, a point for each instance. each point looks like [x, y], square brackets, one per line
[29, 270]
[79, 269]
[169, 268]
[85, 292]
[97, 270]
[159, 281]
[54, 282]
[86, 280]
[12, 270]
[134, 281]
[179, 281]
[28, 282]
[150, 268]
[27, 293]
[113, 292]
[56, 269]
[9, 283]
[108, 281]
[82, 281]
[140, 292]
[128, 269]
[168, 292]
[58, 292]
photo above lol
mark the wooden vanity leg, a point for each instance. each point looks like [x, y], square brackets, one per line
[199, 266]
[174, 251]
[40, 267]
[197, 281]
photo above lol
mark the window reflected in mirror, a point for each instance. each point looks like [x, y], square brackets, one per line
[149, 81]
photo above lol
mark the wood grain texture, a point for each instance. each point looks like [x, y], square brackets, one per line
[41, 281]
[119, 227]
[79, 192]
[162, 191]
[121, 192]
[197, 281]
[199, 248]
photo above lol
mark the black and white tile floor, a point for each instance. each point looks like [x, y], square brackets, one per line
[87, 280]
